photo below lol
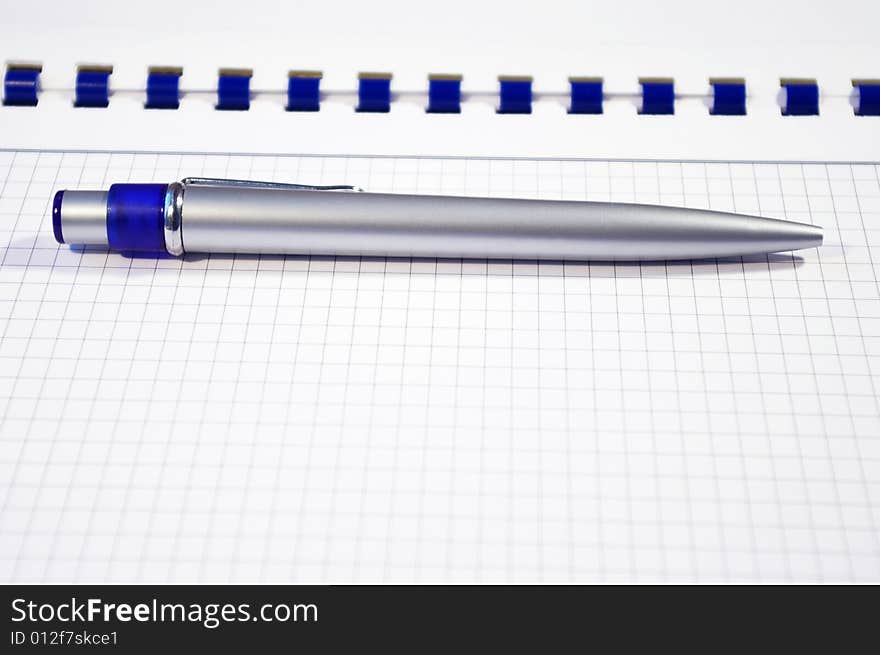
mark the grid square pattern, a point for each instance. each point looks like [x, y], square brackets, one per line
[310, 419]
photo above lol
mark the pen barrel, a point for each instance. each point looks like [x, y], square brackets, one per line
[284, 221]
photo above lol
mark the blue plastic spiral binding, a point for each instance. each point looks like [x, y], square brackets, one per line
[869, 97]
[658, 95]
[514, 94]
[374, 92]
[801, 97]
[586, 95]
[163, 88]
[93, 86]
[728, 97]
[234, 89]
[444, 94]
[303, 91]
[20, 85]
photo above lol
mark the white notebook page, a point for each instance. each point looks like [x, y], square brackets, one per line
[311, 419]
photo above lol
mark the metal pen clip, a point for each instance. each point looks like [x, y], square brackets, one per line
[173, 211]
[254, 184]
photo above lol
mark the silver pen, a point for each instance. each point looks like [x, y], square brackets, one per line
[203, 215]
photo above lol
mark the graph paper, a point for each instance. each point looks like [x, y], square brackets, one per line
[311, 419]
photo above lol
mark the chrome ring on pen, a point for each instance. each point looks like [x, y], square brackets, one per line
[174, 218]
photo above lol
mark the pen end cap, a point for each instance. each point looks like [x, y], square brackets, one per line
[56, 216]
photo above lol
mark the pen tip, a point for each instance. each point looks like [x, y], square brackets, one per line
[781, 235]
[812, 236]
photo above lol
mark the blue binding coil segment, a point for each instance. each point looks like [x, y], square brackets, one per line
[304, 90]
[658, 95]
[586, 95]
[868, 94]
[21, 84]
[93, 86]
[801, 97]
[163, 87]
[514, 94]
[374, 92]
[444, 94]
[728, 96]
[234, 89]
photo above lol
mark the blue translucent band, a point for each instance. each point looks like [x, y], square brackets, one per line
[586, 97]
[92, 88]
[163, 90]
[136, 217]
[869, 99]
[658, 97]
[515, 96]
[303, 93]
[728, 98]
[20, 86]
[801, 99]
[444, 96]
[374, 94]
[234, 92]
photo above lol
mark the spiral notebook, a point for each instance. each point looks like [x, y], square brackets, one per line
[682, 80]
[309, 419]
